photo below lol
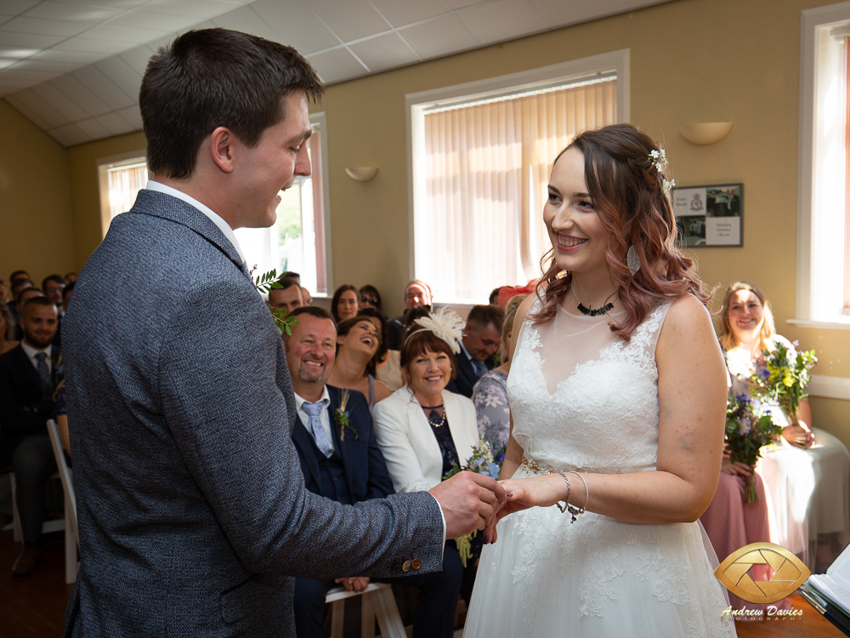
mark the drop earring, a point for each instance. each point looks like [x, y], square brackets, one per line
[632, 260]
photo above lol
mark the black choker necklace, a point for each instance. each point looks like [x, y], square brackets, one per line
[594, 312]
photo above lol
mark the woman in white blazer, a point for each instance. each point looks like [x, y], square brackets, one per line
[424, 430]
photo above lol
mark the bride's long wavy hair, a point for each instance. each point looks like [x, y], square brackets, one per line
[627, 189]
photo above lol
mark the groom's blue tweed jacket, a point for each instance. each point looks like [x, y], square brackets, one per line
[192, 510]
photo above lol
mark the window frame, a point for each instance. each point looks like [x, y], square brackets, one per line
[103, 166]
[811, 59]
[416, 105]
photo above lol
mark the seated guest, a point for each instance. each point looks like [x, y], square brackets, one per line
[4, 293]
[357, 348]
[345, 303]
[7, 330]
[490, 394]
[70, 278]
[480, 341]
[306, 296]
[807, 476]
[423, 429]
[60, 414]
[52, 287]
[18, 286]
[417, 294]
[28, 377]
[370, 297]
[19, 275]
[288, 296]
[341, 461]
[21, 300]
[388, 368]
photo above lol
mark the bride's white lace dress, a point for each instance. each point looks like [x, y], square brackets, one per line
[584, 399]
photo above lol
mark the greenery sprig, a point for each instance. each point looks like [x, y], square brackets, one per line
[265, 283]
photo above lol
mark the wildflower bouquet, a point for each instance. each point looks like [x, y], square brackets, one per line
[749, 428]
[783, 375]
[484, 460]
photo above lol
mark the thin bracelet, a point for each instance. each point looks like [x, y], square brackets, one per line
[569, 493]
[586, 491]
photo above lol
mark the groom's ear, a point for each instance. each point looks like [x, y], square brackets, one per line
[221, 148]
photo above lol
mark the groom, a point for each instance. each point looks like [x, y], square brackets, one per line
[193, 514]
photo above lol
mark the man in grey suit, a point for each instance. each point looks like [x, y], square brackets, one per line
[193, 514]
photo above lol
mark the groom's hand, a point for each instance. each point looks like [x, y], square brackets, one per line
[469, 501]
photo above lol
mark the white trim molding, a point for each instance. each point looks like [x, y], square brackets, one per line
[829, 387]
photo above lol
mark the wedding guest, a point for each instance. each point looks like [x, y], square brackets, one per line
[29, 374]
[388, 368]
[60, 413]
[341, 461]
[7, 330]
[4, 293]
[288, 296]
[807, 477]
[423, 429]
[480, 341]
[416, 294]
[70, 278]
[18, 275]
[490, 394]
[357, 348]
[52, 286]
[370, 297]
[21, 300]
[345, 303]
[306, 296]
[17, 286]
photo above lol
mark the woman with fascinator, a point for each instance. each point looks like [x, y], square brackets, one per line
[617, 392]
[424, 430]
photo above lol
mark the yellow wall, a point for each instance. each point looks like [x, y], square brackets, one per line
[691, 61]
[36, 229]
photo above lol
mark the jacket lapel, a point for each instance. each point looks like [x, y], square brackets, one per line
[346, 447]
[302, 439]
[26, 365]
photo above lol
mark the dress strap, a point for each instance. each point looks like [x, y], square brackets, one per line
[371, 391]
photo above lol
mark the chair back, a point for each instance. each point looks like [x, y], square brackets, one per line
[66, 476]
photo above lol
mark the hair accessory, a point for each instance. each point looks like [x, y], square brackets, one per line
[632, 259]
[658, 157]
[445, 324]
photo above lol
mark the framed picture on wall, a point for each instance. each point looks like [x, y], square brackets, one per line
[709, 215]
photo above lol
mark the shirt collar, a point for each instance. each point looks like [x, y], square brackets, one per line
[214, 217]
[31, 352]
[325, 400]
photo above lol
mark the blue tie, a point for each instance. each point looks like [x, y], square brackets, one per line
[319, 435]
[44, 374]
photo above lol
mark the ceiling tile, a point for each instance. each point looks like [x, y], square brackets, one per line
[15, 73]
[500, 20]
[93, 129]
[122, 74]
[296, 25]
[8, 39]
[36, 109]
[636, 4]
[51, 66]
[199, 9]
[350, 20]
[132, 116]
[123, 5]
[402, 12]
[17, 53]
[558, 13]
[16, 7]
[68, 135]
[115, 124]
[460, 4]
[77, 58]
[137, 59]
[120, 33]
[435, 38]
[244, 19]
[8, 87]
[85, 14]
[81, 95]
[105, 89]
[52, 96]
[336, 65]
[106, 47]
[40, 26]
[384, 52]
[159, 21]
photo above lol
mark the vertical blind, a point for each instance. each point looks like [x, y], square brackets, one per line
[487, 165]
[125, 182]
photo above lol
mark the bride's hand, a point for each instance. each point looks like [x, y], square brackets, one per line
[534, 491]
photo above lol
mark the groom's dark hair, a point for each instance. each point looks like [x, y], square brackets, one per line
[216, 77]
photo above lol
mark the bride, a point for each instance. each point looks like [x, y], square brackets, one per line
[618, 397]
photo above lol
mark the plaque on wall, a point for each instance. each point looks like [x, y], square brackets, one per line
[709, 215]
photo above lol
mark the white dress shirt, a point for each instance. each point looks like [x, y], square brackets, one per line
[215, 218]
[323, 416]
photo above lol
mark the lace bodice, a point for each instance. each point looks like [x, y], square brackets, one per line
[584, 398]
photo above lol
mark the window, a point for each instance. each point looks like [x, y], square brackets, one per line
[481, 154]
[299, 239]
[823, 249]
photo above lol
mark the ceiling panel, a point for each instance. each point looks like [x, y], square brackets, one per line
[69, 135]
[93, 129]
[106, 90]
[121, 74]
[245, 19]
[66, 110]
[402, 12]
[28, 40]
[84, 14]
[36, 109]
[132, 116]
[501, 20]
[297, 25]
[81, 95]
[384, 52]
[138, 58]
[351, 19]
[336, 65]
[16, 7]
[433, 38]
[556, 12]
[42, 26]
[115, 124]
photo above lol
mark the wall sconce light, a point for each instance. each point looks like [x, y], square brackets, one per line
[362, 173]
[706, 132]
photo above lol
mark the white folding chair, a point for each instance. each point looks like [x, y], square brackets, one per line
[72, 539]
[46, 528]
[378, 601]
